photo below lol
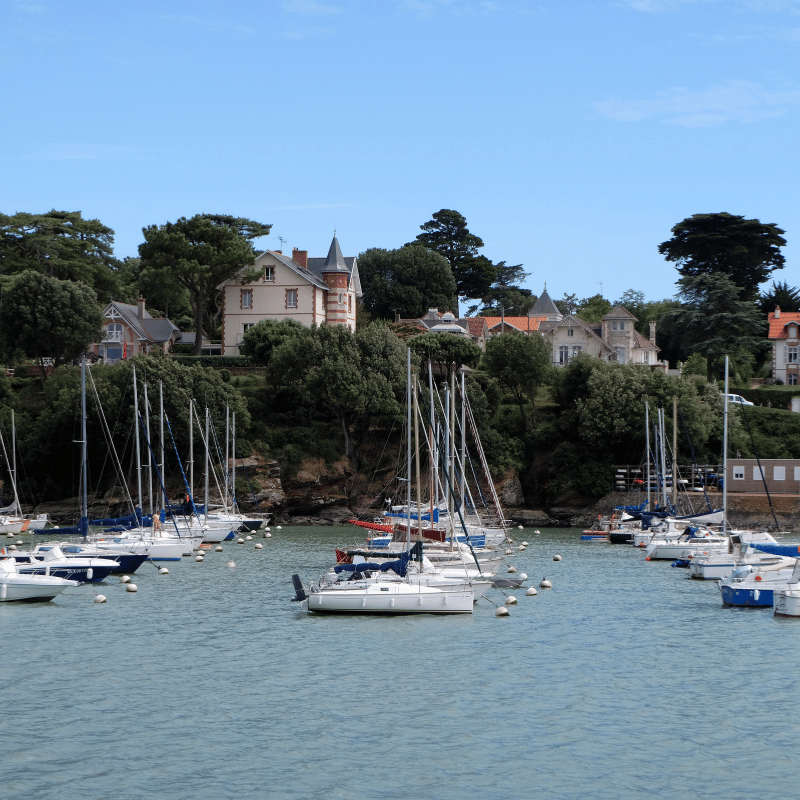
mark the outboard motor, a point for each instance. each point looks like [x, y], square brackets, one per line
[300, 592]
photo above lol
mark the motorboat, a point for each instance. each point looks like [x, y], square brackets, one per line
[54, 562]
[26, 587]
[714, 564]
[127, 563]
[692, 540]
[786, 602]
[748, 586]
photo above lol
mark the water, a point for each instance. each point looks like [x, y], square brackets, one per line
[625, 680]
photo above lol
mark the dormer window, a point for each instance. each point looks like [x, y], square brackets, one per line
[269, 274]
[570, 331]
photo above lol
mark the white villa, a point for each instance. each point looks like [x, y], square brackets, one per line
[321, 291]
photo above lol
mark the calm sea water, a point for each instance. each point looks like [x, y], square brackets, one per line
[625, 680]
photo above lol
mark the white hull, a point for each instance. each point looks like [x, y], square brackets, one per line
[359, 597]
[14, 586]
[786, 602]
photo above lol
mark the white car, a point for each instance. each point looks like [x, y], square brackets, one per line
[738, 400]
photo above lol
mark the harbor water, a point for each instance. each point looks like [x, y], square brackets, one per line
[624, 680]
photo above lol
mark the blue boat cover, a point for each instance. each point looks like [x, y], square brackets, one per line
[400, 566]
[403, 515]
[791, 550]
[131, 521]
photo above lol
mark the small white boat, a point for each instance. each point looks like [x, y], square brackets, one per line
[713, 564]
[686, 545]
[382, 597]
[15, 586]
[786, 602]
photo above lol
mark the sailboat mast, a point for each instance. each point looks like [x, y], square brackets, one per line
[138, 445]
[647, 448]
[207, 465]
[84, 523]
[191, 449]
[161, 433]
[149, 460]
[463, 435]
[408, 446]
[234, 507]
[675, 451]
[725, 456]
[225, 470]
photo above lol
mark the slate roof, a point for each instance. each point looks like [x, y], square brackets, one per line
[777, 327]
[544, 306]
[618, 312]
[643, 343]
[569, 321]
[145, 327]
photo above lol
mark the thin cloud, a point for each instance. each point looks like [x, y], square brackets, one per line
[735, 101]
[85, 152]
[310, 7]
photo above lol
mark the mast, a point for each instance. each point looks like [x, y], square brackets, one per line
[138, 445]
[161, 432]
[647, 448]
[463, 434]
[416, 459]
[84, 521]
[191, 450]
[205, 517]
[149, 460]
[225, 471]
[675, 451]
[408, 446]
[234, 506]
[725, 456]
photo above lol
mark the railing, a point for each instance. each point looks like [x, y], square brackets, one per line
[629, 478]
[112, 336]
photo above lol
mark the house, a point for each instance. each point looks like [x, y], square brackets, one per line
[434, 321]
[129, 330]
[781, 475]
[313, 291]
[784, 336]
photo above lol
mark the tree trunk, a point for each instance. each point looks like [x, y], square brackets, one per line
[348, 445]
[197, 307]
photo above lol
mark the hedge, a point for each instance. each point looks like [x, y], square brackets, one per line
[217, 362]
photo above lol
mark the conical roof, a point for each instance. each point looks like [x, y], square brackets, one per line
[545, 307]
[335, 260]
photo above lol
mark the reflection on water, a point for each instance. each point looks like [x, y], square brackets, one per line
[624, 680]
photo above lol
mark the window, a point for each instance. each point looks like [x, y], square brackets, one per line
[570, 332]
[738, 473]
[575, 350]
[269, 274]
[621, 355]
[779, 473]
[246, 326]
[291, 298]
[792, 378]
[341, 298]
[247, 298]
[797, 473]
[614, 325]
[791, 355]
[349, 302]
[563, 354]
[757, 474]
[114, 332]
[622, 326]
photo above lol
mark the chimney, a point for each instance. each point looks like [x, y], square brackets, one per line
[140, 303]
[653, 332]
[300, 257]
[396, 317]
[777, 312]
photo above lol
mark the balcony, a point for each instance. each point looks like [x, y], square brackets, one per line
[112, 336]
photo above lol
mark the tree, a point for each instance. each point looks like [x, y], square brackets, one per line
[593, 309]
[745, 250]
[260, 341]
[200, 253]
[447, 233]
[505, 294]
[60, 244]
[714, 321]
[352, 376]
[780, 294]
[520, 363]
[445, 352]
[44, 317]
[408, 281]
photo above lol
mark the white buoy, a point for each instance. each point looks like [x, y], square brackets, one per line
[512, 569]
[501, 611]
[99, 598]
[19, 541]
[218, 548]
[278, 528]
[163, 571]
[523, 576]
[556, 558]
[124, 578]
[531, 592]
[131, 587]
[521, 547]
[545, 584]
[259, 546]
[537, 533]
[519, 527]
[199, 558]
[511, 600]
[525, 543]
[231, 564]
[509, 551]
[9, 535]
[267, 529]
[240, 541]
[12, 547]
[267, 535]
[248, 538]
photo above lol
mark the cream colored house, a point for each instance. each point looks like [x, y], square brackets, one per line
[784, 336]
[313, 291]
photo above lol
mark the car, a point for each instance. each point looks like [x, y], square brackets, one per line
[738, 400]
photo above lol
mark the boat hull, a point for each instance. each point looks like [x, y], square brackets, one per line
[786, 602]
[394, 599]
[746, 596]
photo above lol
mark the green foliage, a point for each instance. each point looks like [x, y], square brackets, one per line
[447, 233]
[779, 294]
[199, 254]
[714, 321]
[408, 281]
[694, 365]
[214, 362]
[593, 309]
[259, 341]
[747, 251]
[60, 244]
[444, 352]
[519, 363]
[39, 318]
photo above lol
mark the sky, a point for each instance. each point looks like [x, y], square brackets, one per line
[571, 134]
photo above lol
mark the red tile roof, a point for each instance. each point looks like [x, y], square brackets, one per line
[777, 327]
[524, 324]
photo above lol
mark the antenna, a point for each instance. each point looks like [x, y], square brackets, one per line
[282, 241]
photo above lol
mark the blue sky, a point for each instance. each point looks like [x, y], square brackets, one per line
[571, 134]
